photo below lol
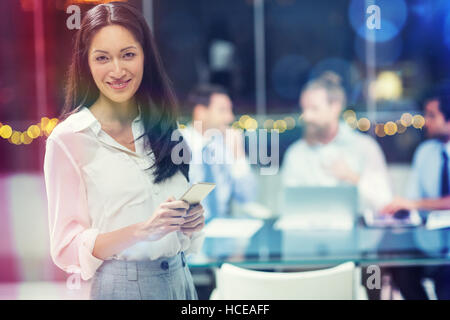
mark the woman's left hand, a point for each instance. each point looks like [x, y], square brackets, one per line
[194, 220]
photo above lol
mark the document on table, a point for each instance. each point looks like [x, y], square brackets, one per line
[313, 222]
[378, 220]
[438, 219]
[232, 228]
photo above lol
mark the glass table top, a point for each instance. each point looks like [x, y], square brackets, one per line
[272, 247]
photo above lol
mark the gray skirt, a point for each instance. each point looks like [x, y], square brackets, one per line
[161, 279]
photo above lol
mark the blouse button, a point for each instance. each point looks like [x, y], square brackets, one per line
[164, 265]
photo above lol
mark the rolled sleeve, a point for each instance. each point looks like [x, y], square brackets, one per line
[72, 238]
[88, 263]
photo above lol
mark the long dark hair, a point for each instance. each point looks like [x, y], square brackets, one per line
[155, 94]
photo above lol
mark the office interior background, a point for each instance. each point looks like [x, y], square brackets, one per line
[263, 52]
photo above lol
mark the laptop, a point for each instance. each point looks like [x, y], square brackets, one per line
[318, 208]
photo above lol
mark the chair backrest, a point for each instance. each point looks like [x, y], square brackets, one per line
[335, 283]
[24, 235]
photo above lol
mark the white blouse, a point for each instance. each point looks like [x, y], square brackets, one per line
[95, 185]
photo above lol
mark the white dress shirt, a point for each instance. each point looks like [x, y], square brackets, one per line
[305, 165]
[96, 185]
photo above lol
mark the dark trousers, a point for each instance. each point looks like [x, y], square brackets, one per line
[409, 281]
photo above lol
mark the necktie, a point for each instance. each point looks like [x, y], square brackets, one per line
[444, 175]
[445, 192]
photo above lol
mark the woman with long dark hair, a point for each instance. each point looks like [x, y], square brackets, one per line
[111, 182]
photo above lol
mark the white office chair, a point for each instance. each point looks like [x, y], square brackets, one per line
[337, 283]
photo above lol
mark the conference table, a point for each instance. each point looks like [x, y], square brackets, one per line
[274, 248]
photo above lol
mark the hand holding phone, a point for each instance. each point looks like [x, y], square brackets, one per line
[195, 220]
[197, 192]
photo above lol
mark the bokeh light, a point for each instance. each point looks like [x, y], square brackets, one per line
[418, 121]
[290, 123]
[406, 119]
[379, 130]
[6, 131]
[33, 131]
[236, 125]
[268, 124]
[50, 126]
[364, 124]
[348, 114]
[387, 86]
[25, 138]
[390, 128]
[352, 122]
[242, 120]
[15, 137]
[280, 125]
[400, 127]
[251, 124]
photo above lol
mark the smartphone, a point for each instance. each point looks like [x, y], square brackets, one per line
[197, 192]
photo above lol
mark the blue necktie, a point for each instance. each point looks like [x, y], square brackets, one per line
[445, 192]
[444, 175]
[210, 200]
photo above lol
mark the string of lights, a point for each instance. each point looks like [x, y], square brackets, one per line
[245, 122]
[43, 128]
[363, 124]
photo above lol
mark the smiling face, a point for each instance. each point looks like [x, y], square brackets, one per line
[116, 61]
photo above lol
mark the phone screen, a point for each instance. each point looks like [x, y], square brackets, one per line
[197, 192]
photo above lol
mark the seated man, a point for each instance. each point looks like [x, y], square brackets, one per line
[331, 153]
[218, 153]
[428, 190]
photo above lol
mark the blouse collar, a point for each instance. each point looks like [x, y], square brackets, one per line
[86, 119]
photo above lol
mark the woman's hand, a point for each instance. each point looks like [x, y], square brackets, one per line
[194, 221]
[168, 217]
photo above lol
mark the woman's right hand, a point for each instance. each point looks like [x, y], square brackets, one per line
[168, 217]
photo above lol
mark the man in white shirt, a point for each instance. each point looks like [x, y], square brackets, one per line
[218, 153]
[331, 153]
